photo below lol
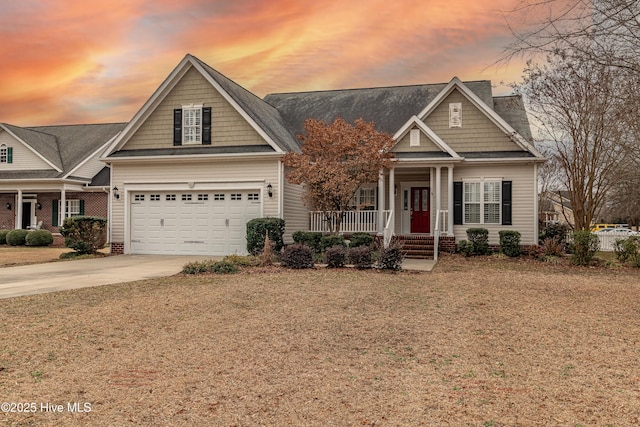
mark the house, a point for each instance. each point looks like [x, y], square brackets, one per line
[555, 208]
[203, 156]
[48, 173]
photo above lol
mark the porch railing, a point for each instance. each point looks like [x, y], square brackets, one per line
[442, 226]
[388, 231]
[352, 221]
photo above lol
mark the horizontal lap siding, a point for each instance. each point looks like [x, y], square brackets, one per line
[524, 196]
[426, 145]
[201, 173]
[296, 214]
[23, 157]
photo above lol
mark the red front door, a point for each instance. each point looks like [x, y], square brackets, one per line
[420, 210]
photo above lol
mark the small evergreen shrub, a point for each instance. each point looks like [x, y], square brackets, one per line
[257, 229]
[3, 236]
[196, 267]
[335, 256]
[84, 234]
[332, 240]
[510, 242]
[465, 247]
[360, 257]
[628, 250]
[297, 256]
[554, 231]
[39, 238]
[361, 239]
[584, 247]
[224, 267]
[391, 257]
[309, 238]
[17, 237]
[479, 238]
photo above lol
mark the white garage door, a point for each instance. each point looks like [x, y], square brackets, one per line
[192, 223]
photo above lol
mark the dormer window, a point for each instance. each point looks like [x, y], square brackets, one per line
[6, 154]
[192, 125]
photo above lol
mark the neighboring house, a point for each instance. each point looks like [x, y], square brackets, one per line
[204, 155]
[555, 208]
[48, 173]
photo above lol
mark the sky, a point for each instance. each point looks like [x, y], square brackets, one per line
[79, 61]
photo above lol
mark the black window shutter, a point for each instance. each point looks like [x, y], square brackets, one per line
[506, 203]
[10, 155]
[457, 203]
[54, 215]
[177, 126]
[81, 207]
[206, 126]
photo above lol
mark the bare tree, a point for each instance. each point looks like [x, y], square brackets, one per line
[579, 109]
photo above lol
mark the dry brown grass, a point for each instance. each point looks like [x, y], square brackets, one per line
[20, 255]
[476, 342]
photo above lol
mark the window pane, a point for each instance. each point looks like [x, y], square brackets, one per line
[492, 192]
[472, 192]
[492, 213]
[472, 213]
[416, 199]
[425, 200]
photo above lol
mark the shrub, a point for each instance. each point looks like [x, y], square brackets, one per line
[465, 247]
[552, 246]
[510, 242]
[554, 231]
[479, 238]
[335, 256]
[224, 267]
[3, 236]
[257, 229]
[360, 257]
[241, 260]
[332, 240]
[391, 257]
[196, 267]
[628, 250]
[39, 238]
[297, 256]
[584, 247]
[84, 234]
[309, 238]
[361, 239]
[17, 237]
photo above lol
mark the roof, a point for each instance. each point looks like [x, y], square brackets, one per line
[388, 107]
[63, 146]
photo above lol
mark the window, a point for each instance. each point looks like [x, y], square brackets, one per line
[186, 197]
[73, 208]
[154, 197]
[364, 199]
[191, 125]
[236, 196]
[6, 154]
[170, 197]
[482, 202]
[203, 197]
[253, 196]
[218, 196]
[414, 138]
[138, 198]
[455, 115]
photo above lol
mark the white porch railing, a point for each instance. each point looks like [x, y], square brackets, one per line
[441, 227]
[388, 230]
[352, 221]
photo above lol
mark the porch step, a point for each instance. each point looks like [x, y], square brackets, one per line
[417, 247]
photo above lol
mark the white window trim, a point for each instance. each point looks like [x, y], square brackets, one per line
[414, 138]
[4, 153]
[360, 196]
[187, 138]
[482, 181]
[68, 213]
[455, 115]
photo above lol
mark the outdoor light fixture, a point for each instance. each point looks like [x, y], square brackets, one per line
[116, 193]
[270, 190]
[39, 206]
[8, 206]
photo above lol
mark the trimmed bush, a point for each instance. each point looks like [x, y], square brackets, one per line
[309, 238]
[84, 234]
[554, 231]
[39, 238]
[17, 237]
[360, 257]
[479, 238]
[257, 229]
[465, 247]
[391, 257]
[335, 256]
[361, 239]
[3, 236]
[297, 256]
[510, 242]
[584, 247]
[628, 250]
[332, 240]
[224, 267]
[196, 267]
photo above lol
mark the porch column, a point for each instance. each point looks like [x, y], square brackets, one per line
[438, 192]
[63, 206]
[380, 201]
[18, 222]
[392, 196]
[450, 200]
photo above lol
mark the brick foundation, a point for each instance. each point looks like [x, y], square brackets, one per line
[447, 244]
[117, 248]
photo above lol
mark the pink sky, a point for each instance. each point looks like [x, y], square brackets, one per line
[78, 61]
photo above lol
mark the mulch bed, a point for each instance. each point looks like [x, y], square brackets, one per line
[479, 341]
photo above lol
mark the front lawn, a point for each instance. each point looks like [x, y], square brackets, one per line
[478, 341]
[20, 255]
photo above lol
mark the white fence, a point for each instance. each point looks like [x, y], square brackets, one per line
[352, 221]
[608, 240]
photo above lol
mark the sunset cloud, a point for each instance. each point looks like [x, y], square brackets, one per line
[72, 61]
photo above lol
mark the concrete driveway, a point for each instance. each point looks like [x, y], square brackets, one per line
[59, 276]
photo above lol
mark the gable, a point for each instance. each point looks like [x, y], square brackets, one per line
[478, 133]
[22, 157]
[427, 145]
[228, 127]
